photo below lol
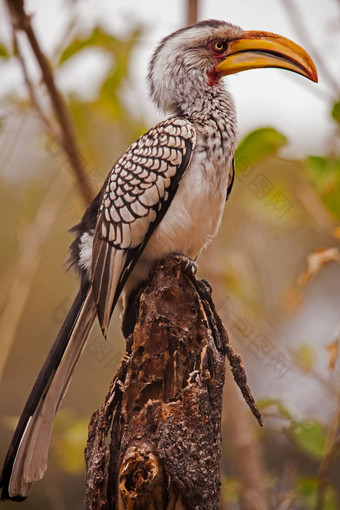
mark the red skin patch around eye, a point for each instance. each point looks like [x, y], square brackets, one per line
[213, 77]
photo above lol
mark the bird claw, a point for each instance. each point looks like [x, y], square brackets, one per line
[187, 263]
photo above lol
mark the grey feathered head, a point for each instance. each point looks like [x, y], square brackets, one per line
[193, 59]
[181, 61]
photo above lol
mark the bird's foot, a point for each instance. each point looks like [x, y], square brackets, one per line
[187, 263]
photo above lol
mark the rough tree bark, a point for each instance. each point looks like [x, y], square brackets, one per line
[163, 408]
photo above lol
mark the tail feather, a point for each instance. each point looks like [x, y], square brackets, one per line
[26, 459]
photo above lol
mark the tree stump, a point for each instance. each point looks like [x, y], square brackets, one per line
[163, 408]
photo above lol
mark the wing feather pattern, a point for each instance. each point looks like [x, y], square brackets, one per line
[135, 198]
[231, 179]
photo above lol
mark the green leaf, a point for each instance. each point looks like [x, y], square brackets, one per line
[274, 406]
[119, 51]
[336, 112]
[256, 146]
[305, 357]
[4, 53]
[109, 97]
[98, 39]
[309, 436]
[306, 489]
[325, 176]
[307, 492]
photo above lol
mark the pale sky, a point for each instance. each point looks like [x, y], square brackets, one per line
[278, 98]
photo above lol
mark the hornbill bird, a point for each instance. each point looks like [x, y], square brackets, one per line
[165, 194]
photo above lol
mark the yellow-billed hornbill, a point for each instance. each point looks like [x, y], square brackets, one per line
[165, 194]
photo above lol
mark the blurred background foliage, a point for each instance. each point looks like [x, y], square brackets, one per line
[274, 269]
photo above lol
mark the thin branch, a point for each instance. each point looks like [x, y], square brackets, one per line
[332, 448]
[68, 34]
[192, 11]
[30, 87]
[246, 451]
[25, 266]
[315, 207]
[299, 26]
[235, 360]
[21, 21]
[9, 143]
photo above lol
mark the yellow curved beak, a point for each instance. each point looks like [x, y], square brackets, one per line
[254, 50]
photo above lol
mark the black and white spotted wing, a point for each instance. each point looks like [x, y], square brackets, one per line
[135, 197]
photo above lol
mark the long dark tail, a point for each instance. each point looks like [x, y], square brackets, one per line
[26, 460]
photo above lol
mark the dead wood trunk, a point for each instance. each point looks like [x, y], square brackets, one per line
[163, 408]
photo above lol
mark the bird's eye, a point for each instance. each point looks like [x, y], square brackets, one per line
[219, 46]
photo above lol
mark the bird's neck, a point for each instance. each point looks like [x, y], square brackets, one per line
[212, 112]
